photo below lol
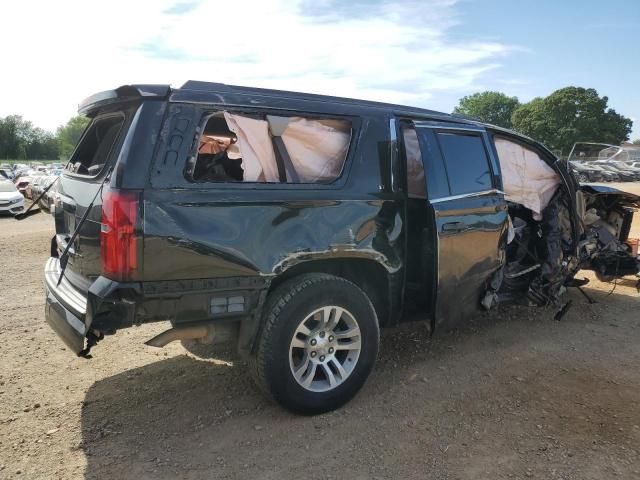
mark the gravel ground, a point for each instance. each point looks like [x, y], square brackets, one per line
[514, 394]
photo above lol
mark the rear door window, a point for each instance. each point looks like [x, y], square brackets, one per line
[92, 153]
[466, 162]
[259, 148]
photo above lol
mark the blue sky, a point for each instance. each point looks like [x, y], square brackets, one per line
[584, 43]
[419, 52]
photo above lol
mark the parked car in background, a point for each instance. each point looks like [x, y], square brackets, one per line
[36, 186]
[11, 200]
[49, 197]
[22, 184]
[611, 166]
[626, 167]
[586, 172]
[619, 161]
[34, 175]
[21, 172]
[6, 174]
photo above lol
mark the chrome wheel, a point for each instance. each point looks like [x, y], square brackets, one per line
[324, 349]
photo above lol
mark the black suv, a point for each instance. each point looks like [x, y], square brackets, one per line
[297, 225]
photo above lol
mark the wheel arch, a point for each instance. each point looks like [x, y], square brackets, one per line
[368, 274]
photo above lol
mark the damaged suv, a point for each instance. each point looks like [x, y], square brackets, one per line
[297, 225]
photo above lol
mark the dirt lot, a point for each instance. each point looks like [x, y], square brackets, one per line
[515, 394]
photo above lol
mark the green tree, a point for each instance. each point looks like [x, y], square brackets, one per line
[42, 145]
[636, 141]
[490, 107]
[14, 135]
[69, 134]
[569, 115]
[20, 140]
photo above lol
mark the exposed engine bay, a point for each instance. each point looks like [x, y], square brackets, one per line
[579, 228]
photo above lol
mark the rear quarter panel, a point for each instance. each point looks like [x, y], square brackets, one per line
[233, 230]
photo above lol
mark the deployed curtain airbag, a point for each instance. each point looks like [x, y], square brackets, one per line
[526, 178]
[317, 148]
[254, 142]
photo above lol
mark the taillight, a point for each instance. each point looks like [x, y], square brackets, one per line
[119, 246]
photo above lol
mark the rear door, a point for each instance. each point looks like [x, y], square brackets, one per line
[469, 212]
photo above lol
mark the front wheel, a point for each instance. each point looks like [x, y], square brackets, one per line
[318, 344]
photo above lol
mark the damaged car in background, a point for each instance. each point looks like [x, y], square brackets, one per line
[297, 225]
[601, 162]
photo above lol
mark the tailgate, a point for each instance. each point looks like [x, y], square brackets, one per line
[87, 170]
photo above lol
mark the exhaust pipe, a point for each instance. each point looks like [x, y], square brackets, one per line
[208, 333]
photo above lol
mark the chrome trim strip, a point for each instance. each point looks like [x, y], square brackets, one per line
[483, 193]
[466, 128]
[65, 291]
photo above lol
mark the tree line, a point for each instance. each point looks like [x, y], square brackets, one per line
[568, 115]
[21, 140]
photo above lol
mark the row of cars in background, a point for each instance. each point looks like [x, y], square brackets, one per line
[598, 162]
[20, 181]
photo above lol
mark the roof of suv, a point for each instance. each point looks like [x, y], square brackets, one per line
[210, 87]
[193, 90]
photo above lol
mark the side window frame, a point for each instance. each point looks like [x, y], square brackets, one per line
[206, 111]
[433, 162]
[404, 160]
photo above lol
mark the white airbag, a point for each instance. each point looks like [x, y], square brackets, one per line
[526, 178]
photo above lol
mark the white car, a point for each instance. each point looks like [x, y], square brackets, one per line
[11, 200]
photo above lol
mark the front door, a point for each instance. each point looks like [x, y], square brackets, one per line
[470, 216]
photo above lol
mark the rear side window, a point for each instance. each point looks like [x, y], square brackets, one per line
[466, 162]
[93, 151]
[269, 149]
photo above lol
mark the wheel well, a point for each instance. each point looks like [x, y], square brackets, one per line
[368, 275]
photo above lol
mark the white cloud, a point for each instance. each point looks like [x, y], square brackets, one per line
[56, 53]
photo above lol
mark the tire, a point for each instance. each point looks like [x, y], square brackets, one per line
[294, 317]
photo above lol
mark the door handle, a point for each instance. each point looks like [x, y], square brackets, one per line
[453, 227]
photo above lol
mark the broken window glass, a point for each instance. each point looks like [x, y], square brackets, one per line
[271, 149]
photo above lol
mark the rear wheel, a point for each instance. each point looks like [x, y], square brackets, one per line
[318, 343]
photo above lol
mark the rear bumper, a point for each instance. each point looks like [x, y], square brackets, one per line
[109, 306]
[65, 308]
[69, 328]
